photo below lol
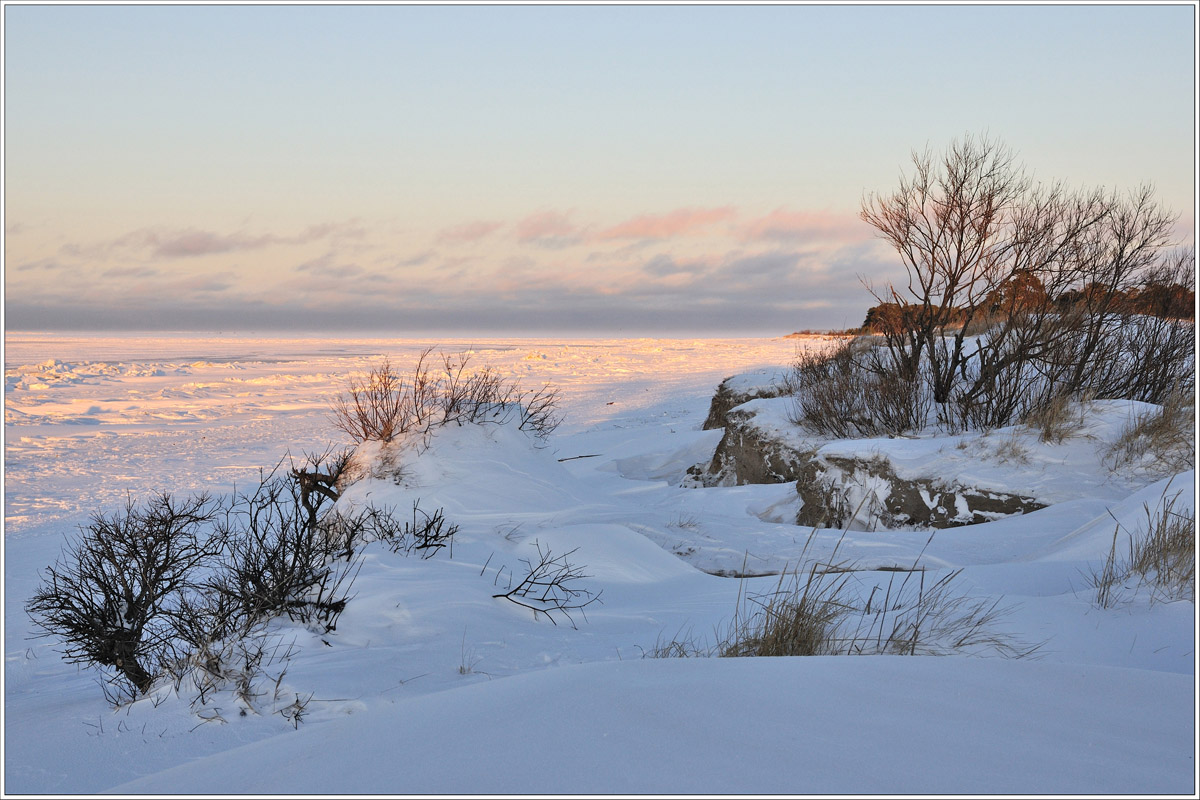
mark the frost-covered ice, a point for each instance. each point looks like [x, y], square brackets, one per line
[429, 684]
[89, 419]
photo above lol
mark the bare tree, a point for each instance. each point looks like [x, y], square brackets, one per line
[1027, 328]
[1112, 260]
[1047, 273]
[951, 222]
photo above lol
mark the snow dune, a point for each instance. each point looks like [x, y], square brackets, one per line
[759, 726]
[430, 684]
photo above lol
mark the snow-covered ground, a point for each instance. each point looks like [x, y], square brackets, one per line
[430, 684]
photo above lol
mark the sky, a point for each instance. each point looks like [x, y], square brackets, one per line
[600, 170]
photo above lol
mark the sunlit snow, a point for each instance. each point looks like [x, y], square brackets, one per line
[430, 684]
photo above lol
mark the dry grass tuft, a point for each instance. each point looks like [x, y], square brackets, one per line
[683, 645]
[1057, 419]
[1163, 558]
[937, 620]
[1011, 449]
[801, 617]
[1161, 442]
[1167, 554]
[820, 611]
[826, 608]
[685, 522]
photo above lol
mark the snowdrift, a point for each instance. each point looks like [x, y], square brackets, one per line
[433, 684]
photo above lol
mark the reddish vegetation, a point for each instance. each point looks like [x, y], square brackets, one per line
[1024, 291]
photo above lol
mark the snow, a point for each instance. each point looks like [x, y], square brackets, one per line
[1010, 459]
[811, 726]
[430, 684]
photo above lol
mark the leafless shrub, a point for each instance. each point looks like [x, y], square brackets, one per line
[317, 479]
[343, 534]
[113, 599]
[115, 596]
[898, 403]
[1159, 345]
[827, 391]
[1163, 557]
[538, 411]
[325, 599]
[373, 408]
[854, 390]
[1143, 358]
[276, 561]
[426, 534]
[1160, 357]
[174, 587]
[384, 405]
[240, 664]
[272, 555]
[204, 628]
[548, 587]
[166, 587]
[1002, 383]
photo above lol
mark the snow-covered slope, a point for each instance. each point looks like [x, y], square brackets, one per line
[747, 726]
[431, 684]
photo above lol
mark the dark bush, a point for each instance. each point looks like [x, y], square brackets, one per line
[172, 586]
[549, 587]
[856, 390]
[426, 534]
[383, 405]
[116, 597]
[1044, 294]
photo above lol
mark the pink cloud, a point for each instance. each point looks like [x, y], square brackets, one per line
[791, 226]
[664, 226]
[193, 242]
[131, 272]
[469, 232]
[551, 225]
[181, 244]
[412, 261]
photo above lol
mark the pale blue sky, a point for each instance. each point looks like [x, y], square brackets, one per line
[620, 169]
